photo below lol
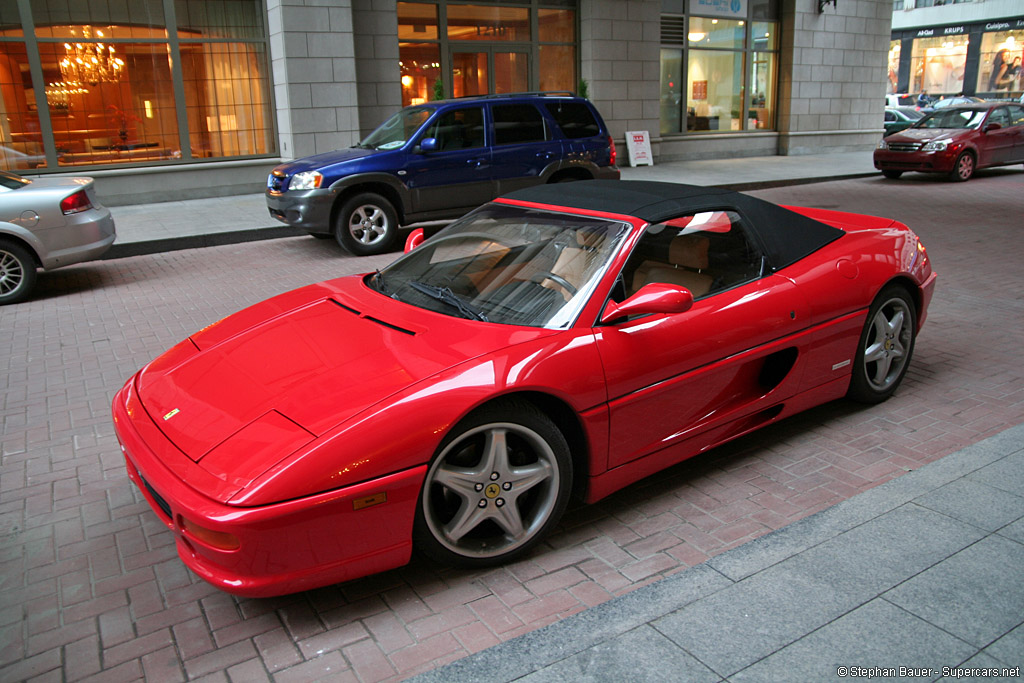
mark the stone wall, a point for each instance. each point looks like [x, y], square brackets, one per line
[832, 80]
[620, 54]
[314, 71]
[377, 69]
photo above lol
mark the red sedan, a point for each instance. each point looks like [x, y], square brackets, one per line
[565, 340]
[956, 141]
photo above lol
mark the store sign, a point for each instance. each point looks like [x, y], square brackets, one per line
[719, 8]
[1004, 25]
[945, 31]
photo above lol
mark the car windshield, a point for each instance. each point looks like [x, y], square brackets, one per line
[395, 131]
[953, 118]
[508, 265]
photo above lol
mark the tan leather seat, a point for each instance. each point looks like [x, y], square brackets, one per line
[687, 263]
[574, 263]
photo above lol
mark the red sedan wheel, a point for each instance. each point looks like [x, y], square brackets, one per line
[963, 169]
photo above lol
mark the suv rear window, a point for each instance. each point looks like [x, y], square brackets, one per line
[515, 123]
[574, 118]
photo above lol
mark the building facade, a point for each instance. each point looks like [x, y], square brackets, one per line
[168, 99]
[974, 48]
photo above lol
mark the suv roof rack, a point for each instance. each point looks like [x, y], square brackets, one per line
[543, 93]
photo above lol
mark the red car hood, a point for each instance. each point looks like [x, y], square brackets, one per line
[285, 371]
[929, 134]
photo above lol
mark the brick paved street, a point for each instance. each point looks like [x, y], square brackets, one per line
[90, 583]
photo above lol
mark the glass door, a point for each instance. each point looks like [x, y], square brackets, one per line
[483, 71]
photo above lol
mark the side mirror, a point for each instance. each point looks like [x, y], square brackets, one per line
[428, 145]
[657, 297]
[992, 126]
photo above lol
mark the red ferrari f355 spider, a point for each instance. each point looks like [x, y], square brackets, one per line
[564, 340]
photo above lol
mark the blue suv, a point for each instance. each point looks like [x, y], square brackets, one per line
[439, 160]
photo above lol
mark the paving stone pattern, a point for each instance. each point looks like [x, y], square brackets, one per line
[91, 587]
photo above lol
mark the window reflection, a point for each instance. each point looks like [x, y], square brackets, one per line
[420, 65]
[21, 143]
[108, 84]
[227, 99]
[118, 116]
[480, 22]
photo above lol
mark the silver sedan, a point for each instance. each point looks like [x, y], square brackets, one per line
[47, 223]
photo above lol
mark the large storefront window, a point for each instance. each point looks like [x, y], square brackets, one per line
[120, 86]
[455, 49]
[1000, 70]
[937, 65]
[722, 76]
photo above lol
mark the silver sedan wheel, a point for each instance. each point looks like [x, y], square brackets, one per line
[12, 272]
[888, 344]
[17, 272]
[368, 224]
[491, 490]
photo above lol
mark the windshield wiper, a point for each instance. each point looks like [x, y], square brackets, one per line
[382, 286]
[446, 295]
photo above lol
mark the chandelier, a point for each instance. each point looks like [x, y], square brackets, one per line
[58, 95]
[91, 63]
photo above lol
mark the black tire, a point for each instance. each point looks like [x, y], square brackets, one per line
[892, 175]
[498, 483]
[885, 347]
[963, 167]
[367, 224]
[17, 272]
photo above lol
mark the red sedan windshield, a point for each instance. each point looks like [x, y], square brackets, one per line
[954, 118]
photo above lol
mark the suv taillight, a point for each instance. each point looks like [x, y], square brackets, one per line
[611, 145]
[75, 203]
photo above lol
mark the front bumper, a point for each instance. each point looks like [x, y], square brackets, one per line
[306, 209]
[923, 162]
[282, 548]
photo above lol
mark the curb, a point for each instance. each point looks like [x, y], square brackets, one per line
[219, 239]
[216, 239]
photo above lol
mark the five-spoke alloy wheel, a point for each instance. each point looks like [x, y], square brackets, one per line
[498, 483]
[885, 347]
[367, 224]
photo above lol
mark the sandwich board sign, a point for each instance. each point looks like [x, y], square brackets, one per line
[638, 144]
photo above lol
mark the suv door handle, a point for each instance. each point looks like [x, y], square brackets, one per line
[479, 161]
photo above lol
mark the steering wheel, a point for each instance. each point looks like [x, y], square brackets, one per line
[542, 275]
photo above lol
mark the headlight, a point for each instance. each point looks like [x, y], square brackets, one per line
[307, 180]
[935, 146]
[882, 144]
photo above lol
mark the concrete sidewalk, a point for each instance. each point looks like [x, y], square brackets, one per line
[917, 578]
[187, 224]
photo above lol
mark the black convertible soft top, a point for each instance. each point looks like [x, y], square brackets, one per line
[786, 235]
